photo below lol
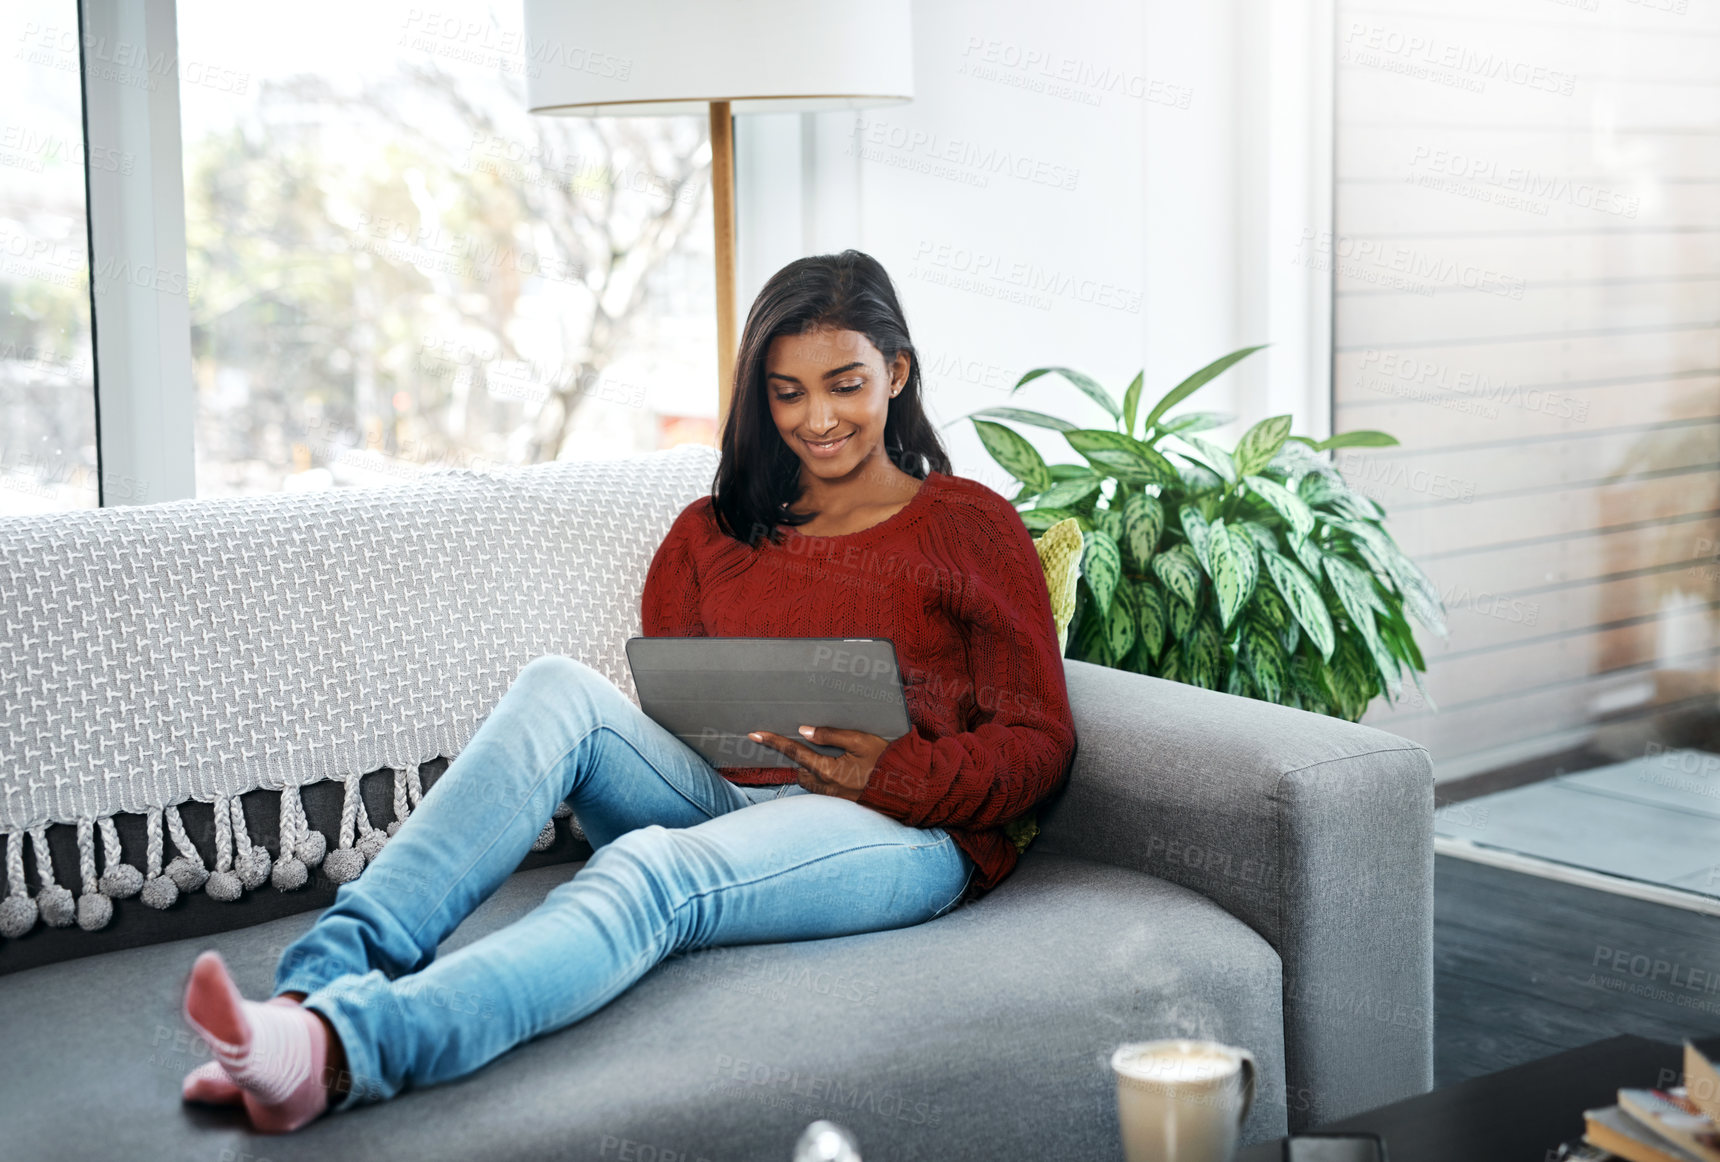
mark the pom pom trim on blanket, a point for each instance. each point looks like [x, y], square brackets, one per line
[241, 864]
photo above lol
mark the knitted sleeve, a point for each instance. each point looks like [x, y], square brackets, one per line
[669, 604]
[1022, 734]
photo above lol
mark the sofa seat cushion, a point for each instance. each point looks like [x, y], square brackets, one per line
[985, 1033]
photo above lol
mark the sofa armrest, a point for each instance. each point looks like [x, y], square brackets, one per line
[1317, 833]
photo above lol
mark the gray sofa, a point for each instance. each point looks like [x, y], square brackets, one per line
[1214, 867]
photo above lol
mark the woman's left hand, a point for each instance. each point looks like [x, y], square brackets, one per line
[844, 775]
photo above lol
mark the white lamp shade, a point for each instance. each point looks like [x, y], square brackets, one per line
[628, 57]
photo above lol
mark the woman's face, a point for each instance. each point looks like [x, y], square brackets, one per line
[829, 393]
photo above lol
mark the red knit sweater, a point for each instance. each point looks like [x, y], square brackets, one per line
[954, 581]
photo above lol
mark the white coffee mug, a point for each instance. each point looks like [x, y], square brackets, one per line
[1180, 1100]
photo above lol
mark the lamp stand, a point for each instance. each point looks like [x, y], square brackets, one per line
[723, 223]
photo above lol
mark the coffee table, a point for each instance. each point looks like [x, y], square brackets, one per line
[1520, 1114]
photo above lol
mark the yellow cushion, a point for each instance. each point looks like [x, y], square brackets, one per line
[1060, 556]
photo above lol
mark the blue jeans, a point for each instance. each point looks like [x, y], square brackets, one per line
[682, 859]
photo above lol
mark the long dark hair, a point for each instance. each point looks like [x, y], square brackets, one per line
[759, 474]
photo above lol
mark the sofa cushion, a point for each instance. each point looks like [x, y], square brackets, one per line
[985, 1033]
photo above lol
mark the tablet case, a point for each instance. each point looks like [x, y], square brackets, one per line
[710, 692]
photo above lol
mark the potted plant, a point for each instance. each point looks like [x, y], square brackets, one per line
[1253, 570]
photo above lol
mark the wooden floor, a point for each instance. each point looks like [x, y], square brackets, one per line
[1525, 967]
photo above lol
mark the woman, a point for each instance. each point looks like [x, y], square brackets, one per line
[833, 514]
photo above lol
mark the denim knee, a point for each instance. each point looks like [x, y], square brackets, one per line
[637, 872]
[567, 684]
[558, 671]
[644, 852]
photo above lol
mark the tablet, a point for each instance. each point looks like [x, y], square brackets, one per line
[711, 692]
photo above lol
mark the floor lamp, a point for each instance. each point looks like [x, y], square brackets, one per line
[607, 58]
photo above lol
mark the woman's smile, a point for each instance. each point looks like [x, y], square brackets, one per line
[828, 447]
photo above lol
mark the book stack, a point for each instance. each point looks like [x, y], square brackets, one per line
[1680, 1124]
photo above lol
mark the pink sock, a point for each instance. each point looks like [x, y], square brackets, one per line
[275, 1054]
[210, 1083]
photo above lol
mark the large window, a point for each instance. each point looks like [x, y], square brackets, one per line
[1527, 260]
[47, 393]
[398, 267]
[390, 267]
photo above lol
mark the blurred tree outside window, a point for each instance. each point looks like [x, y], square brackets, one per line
[394, 267]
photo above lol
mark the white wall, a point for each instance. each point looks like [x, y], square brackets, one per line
[1105, 185]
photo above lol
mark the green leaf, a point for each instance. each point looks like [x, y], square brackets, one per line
[1140, 661]
[1371, 559]
[1287, 504]
[1212, 456]
[1388, 666]
[1198, 478]
[1022, 416]
[1260, 443]
[1296, 460]
[1110, 522]
[1171, 667]
[1355, 591]
[1246, 555]
[1359, 439]
[1304, 599]
[1310, 554]
[1150, 616]
[1120, 624]
[1197, 381]
[1143, 524]
[1179, 617]
[1179, 571]
[1194, 422]
[1312, 682]
[1101, 565]
[1087, 643]
[1091, 442]
[1205, 656]
[1353, 678]
[1086, 383]
[1124, 466]
[1401, 639]
[1233, 570]
[1132, 402]
[1040, 519]
[1356, 506]
[1064, 493]
[1195, 528]
[1269, 609]
[1266, 663]
[1018, 458]
[1419, 594]
[1321, 490]
[1263, 536]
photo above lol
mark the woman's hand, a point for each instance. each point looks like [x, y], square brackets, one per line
[844, 775]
